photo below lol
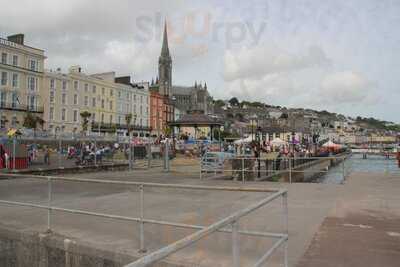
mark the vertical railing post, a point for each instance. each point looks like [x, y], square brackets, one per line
[14, 151]
[235, 245]
[243, 179]
[343, 169]
[201, 166]
[130, 151]
[141, 225]
[166, 155]
[149, 156]
[59, 151]
[290, 170]
[49, 193]
[286, 226]
[95, 152]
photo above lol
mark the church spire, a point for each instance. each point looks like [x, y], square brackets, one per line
[165, 48]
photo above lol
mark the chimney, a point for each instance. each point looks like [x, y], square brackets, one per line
[124, 80]
[16, 38]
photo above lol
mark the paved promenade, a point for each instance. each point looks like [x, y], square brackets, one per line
[317, 213]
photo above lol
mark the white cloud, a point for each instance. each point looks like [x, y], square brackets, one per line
[344, 87]
[264, 60]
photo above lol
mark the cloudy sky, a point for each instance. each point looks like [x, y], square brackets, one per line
[338, 55]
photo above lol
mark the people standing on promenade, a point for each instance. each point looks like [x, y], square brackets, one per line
[46, 156]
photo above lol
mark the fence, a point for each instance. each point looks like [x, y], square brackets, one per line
[203, 231]
[63, 153]
[297, 169]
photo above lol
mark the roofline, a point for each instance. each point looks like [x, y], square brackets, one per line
[23, 45]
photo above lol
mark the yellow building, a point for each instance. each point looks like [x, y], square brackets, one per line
[21, 81]
[68, 95]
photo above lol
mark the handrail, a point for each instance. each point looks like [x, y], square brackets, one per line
[203, 231]
[187, 241]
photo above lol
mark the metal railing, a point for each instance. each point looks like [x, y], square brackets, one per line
[203, 231]
[264, 168]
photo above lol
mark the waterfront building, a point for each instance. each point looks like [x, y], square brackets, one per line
[68, 95]
[21, 81]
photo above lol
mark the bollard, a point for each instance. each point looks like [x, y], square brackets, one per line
[235, 245]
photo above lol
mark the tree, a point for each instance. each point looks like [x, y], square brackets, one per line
[85, 115]
[40, 121]
[234, 101]
[30, 121]
[219, 103]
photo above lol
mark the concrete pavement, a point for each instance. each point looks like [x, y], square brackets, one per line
[309, 206]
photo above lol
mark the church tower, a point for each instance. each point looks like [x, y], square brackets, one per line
[165, 67]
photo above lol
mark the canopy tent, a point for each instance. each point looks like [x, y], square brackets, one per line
[278, 142]
[246, 140]
[331, 144]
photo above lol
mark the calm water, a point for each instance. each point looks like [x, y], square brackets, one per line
[355, 163]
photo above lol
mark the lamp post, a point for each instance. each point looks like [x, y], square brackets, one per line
[258, 150]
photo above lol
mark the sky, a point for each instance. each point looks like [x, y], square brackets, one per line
[337, 55]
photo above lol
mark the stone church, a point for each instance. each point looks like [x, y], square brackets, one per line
[187, 99]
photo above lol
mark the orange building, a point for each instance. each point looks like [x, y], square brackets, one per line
[156, 112]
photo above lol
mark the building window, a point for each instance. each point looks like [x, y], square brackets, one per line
[103, 91]
[86, 87]
[111, 105]
[51, 96]
[3, 96]
[76, 85]
[119, 119]
[15, 80]
[14, 100]
[75, 99]
[93, 117]
[102, 103]
[94, 89]
[51, 113]
[63, 99]
[15, 60]
[52, 82]
[119, 94]
[64, 85]
[86, 101]
[111, 92]
[75, 115]
[33, 65]
[111, 118]
[102, 117]
[141, 99]
[63, 114]
[31, 102]
[4, 58]
[4, 78]
[134, 97]
[32, 83]
[94, 102]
